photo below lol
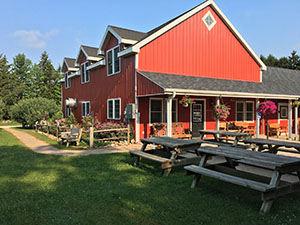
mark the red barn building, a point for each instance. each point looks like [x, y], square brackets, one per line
[199, 53]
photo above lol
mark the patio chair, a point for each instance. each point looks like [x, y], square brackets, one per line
[277, 129]
[73, 137]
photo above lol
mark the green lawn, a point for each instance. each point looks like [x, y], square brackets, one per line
[106, 189]
[11, 123]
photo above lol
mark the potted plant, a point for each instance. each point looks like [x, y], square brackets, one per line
[221, 112]
[265, 108]
[186, 100]
[296, 103]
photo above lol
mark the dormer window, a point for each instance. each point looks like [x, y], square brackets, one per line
[113, 61]
[85, 75]
[67, 80]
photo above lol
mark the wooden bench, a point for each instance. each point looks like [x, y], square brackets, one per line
[277, 129]
[74, 136]
[270, 188]
[178, 131]
[245, 127]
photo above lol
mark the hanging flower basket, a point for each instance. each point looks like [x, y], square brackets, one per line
[186, 100]
[221, 112]
[296, 103]
[267, 107]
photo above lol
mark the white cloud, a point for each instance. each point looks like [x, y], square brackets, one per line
[33, 38]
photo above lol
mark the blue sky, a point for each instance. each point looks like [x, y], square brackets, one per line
[61, 26]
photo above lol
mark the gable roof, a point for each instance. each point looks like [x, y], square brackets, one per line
[69, 63]
[91, 53]
[156, 32]
[123, 35]
[276, 83]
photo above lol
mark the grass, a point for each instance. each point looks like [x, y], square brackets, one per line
[11, 123]
[53, 142]
[106, 189]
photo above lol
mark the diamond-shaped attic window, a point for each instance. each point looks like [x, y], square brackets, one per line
[209, 20]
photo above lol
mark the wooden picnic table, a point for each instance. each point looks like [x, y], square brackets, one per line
[271, 145]
[238, 135]
[270, 188]
[180, 152]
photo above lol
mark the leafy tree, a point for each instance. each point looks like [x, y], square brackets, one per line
[294, 61]
[21, 68]
[291, 62]
[29, 111]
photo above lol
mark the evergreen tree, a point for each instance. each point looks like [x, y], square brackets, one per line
[291, 62]
[21, 69]
[294, 61]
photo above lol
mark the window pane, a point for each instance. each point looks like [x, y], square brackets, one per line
[117, 109]
[249, 116]
[239, 117]
[240, 107]
[109, 62]
[110, 109]
[88, 108]
[250, 112]
[116, 60]
[155, 117]
[66, 80]
[83, 109]
[249, 106]
[82, 73]
[87, 76]
[156, 105]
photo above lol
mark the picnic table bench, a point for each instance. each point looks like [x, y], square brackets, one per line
[238, 135]
[271, 146]
[177, 152]
[270, 188]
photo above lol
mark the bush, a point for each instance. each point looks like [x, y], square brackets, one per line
[29, 111]
[2, 109]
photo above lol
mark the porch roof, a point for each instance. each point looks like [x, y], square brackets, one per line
[276, 83]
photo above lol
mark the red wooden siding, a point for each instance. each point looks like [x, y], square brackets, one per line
[191, 49]
[102, 87]
[147, 87]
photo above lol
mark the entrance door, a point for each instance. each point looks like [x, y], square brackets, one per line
[197, 118]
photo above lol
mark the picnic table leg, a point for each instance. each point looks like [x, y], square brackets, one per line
[237, 139]
[216, 137]
[267, 204]
[201, 136]
[197, 177]
[139, 158]
[167, 171]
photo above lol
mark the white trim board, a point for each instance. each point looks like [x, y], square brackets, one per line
[136, 48]
[93, 58]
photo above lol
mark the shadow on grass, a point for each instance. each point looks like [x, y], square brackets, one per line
[107, 189]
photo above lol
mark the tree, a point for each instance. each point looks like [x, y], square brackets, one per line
[8, 85]
[294, 61]
[21, 68]
[29, 111]
[48, 79]
[291, 62]
[2, 109]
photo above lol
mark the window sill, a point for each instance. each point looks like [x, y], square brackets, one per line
[113, 74]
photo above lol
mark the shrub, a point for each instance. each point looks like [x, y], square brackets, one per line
[29, 111]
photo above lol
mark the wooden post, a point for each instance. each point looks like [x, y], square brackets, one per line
[57, 131]
[268, 127]
[290, 118]
[296, 123]
[257, 119]
[48, 129]
[91, 137]
[128, 134]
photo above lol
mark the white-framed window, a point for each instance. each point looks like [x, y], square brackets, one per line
[67, 80]
[85, 108]
[245, 111]
[174, 110]
[114, 108]
[68, 111]
[156, 110]
[85, 75]
[282, 111]
[113, 61]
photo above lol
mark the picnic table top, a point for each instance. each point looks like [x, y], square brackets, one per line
[171, 142]
[261, 141]
[253, 158]
[227, 133]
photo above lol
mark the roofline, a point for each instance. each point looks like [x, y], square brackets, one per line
[151, 80]
[97, 64]
[86, 55]
[229, 94]
[136, 48]
[120, 39]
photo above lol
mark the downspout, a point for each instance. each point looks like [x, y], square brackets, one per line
[169, 114]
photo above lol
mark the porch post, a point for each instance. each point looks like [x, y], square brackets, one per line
[257, 119]
[290, 117]
[218, 120]
[296, 123]
[169, 114]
